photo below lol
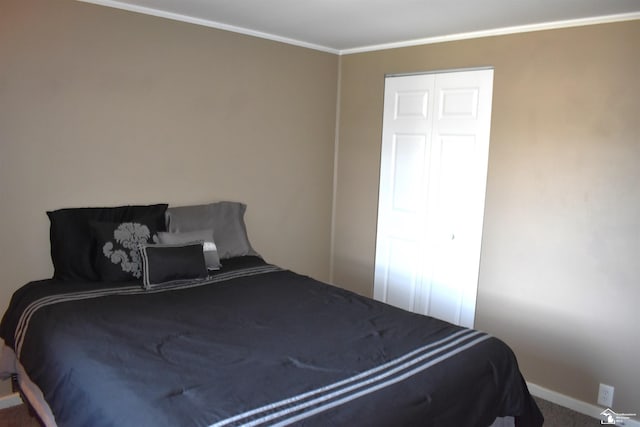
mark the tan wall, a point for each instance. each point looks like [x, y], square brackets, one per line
[104, 107]
[560, 269]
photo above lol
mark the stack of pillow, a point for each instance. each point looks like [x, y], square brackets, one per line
[155, 243]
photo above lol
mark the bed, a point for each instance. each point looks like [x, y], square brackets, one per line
[248, 343]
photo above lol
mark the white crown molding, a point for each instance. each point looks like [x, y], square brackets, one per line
[499, 32]
[416, 42]
[209, 23]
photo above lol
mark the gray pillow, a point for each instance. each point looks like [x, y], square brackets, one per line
[204, 236]
[225, 218]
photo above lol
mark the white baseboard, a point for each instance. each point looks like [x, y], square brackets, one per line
[10, 400]
[573, 404]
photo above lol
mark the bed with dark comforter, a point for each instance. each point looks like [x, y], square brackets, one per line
[254, 345]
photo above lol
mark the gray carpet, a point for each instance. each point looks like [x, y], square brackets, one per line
[17, 416]
[558, 416]
[554, 416]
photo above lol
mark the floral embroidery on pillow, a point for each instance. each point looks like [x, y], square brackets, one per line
[128, 235]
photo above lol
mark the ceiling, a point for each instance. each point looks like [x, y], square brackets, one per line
[348, 26]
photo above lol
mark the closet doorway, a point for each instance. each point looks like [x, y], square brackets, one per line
[435, 147]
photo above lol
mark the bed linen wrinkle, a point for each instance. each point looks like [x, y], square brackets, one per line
[367, 384]
[128, 290]
[268, 348]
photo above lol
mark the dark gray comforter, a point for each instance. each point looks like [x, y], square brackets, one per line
[255, 345]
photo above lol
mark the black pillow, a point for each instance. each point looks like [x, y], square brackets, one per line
[166, 263]
[211, 258]
[72, 247]
[117, 256]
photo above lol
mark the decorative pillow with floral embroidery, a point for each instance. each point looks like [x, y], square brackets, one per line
[117, 257]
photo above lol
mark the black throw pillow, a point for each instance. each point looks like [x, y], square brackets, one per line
[167, 263]
[117, 255]
[72, 245]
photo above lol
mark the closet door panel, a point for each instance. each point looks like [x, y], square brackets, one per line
[432, 182]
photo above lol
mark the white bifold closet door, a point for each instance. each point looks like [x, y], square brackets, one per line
[435, 146]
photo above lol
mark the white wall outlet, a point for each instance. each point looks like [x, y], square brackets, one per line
[605, 395]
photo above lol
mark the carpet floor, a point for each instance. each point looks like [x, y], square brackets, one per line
[554, 415]
[559, 416]
[18, 416]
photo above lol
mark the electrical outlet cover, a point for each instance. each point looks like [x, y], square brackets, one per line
[605, 395]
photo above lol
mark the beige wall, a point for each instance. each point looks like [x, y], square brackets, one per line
[104, 107]
[560, 269]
